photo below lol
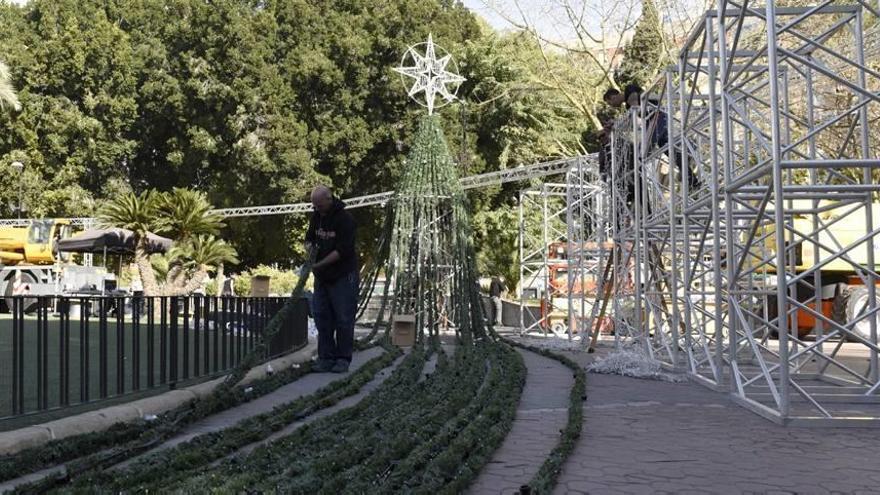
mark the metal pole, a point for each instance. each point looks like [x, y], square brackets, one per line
[522, 270]
[547, 298]
[685, 192]
[716, 213]
[670, 139]
[869, 207]
[571, 209]
[636, 226]
[616, 237]
[727, 151]
[20, 177]
[779, 209]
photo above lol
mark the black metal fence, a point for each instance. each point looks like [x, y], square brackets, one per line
[57, 352]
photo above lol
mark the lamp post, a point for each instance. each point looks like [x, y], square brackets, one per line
[20, 167]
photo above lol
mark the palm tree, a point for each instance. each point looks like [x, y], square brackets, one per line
[8, 98]
[139, 214]
[185, 213]
[193, 260]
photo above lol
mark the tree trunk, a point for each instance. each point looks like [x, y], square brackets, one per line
[220, 278]
[174, 273]
[148, 276]
[195, 281]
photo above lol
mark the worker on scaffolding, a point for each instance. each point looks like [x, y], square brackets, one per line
[631, 97]
[331, 234]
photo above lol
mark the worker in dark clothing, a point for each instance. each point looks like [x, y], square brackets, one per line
[331, 235]
[659, 123]
[496, 287]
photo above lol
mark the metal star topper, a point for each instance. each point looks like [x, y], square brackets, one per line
[430, 74]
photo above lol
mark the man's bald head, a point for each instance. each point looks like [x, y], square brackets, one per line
[322, 199]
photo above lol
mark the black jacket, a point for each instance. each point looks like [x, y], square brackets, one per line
[336, 231]
[495, 287]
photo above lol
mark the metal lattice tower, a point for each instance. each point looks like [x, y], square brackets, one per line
[759, 219]
[563, 242]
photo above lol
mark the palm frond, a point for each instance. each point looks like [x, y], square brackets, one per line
[186, 214]
[138, 213]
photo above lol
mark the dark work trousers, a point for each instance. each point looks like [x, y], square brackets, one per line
[660, 138]
[333, 307]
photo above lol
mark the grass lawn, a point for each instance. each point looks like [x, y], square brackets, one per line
[119, 339]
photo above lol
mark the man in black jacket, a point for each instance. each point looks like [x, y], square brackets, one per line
[332, 233]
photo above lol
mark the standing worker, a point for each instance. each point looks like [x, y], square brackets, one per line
[331, 234]
[496, 287]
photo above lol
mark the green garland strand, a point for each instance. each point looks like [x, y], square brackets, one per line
[176, 463]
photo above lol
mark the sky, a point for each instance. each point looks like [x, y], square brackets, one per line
[541, 13]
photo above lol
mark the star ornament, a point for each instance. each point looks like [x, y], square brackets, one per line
[430, 74]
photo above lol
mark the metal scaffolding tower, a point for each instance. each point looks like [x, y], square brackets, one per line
[751, 218]
[563, 242]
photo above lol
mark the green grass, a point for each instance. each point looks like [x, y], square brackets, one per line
[113, 370]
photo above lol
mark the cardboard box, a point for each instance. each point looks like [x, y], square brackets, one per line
[260, 286]
[403, 330]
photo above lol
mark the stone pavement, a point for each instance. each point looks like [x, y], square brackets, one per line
[542, 412]
[644, 436]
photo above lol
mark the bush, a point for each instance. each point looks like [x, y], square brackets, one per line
[281, 282]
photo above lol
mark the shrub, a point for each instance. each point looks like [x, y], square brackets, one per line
[281, 282]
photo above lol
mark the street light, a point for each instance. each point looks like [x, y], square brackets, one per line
[20, 166]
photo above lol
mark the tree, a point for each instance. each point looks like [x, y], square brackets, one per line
[193, 259]
[646, 54]
[580, 61]
[187, 217]
[254, 102]
[184, 214]
[138, 213]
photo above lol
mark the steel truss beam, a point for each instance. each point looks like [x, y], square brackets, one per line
[516, 174]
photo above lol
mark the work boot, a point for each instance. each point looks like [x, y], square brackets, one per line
[323, 365]
[341, 366]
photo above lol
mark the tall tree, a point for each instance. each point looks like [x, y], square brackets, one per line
[646, 53]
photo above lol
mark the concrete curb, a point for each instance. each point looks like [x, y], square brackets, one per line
[94, 421]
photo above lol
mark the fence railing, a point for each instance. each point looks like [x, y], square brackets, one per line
[57, 352]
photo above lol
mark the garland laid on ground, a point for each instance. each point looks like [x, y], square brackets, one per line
[66, 449]
[545, 479]
[452, 420]
[451, 460]
[293, 452]
[210, 447]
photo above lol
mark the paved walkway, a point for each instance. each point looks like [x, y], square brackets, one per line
[645, 436]
[542, 412]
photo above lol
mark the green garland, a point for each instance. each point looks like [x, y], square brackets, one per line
[451, 422]
[297, 455]
[204, 449]
[67, 449]
[452, 459]
[545, 479]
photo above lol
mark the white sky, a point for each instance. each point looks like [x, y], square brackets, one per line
[547, 19]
